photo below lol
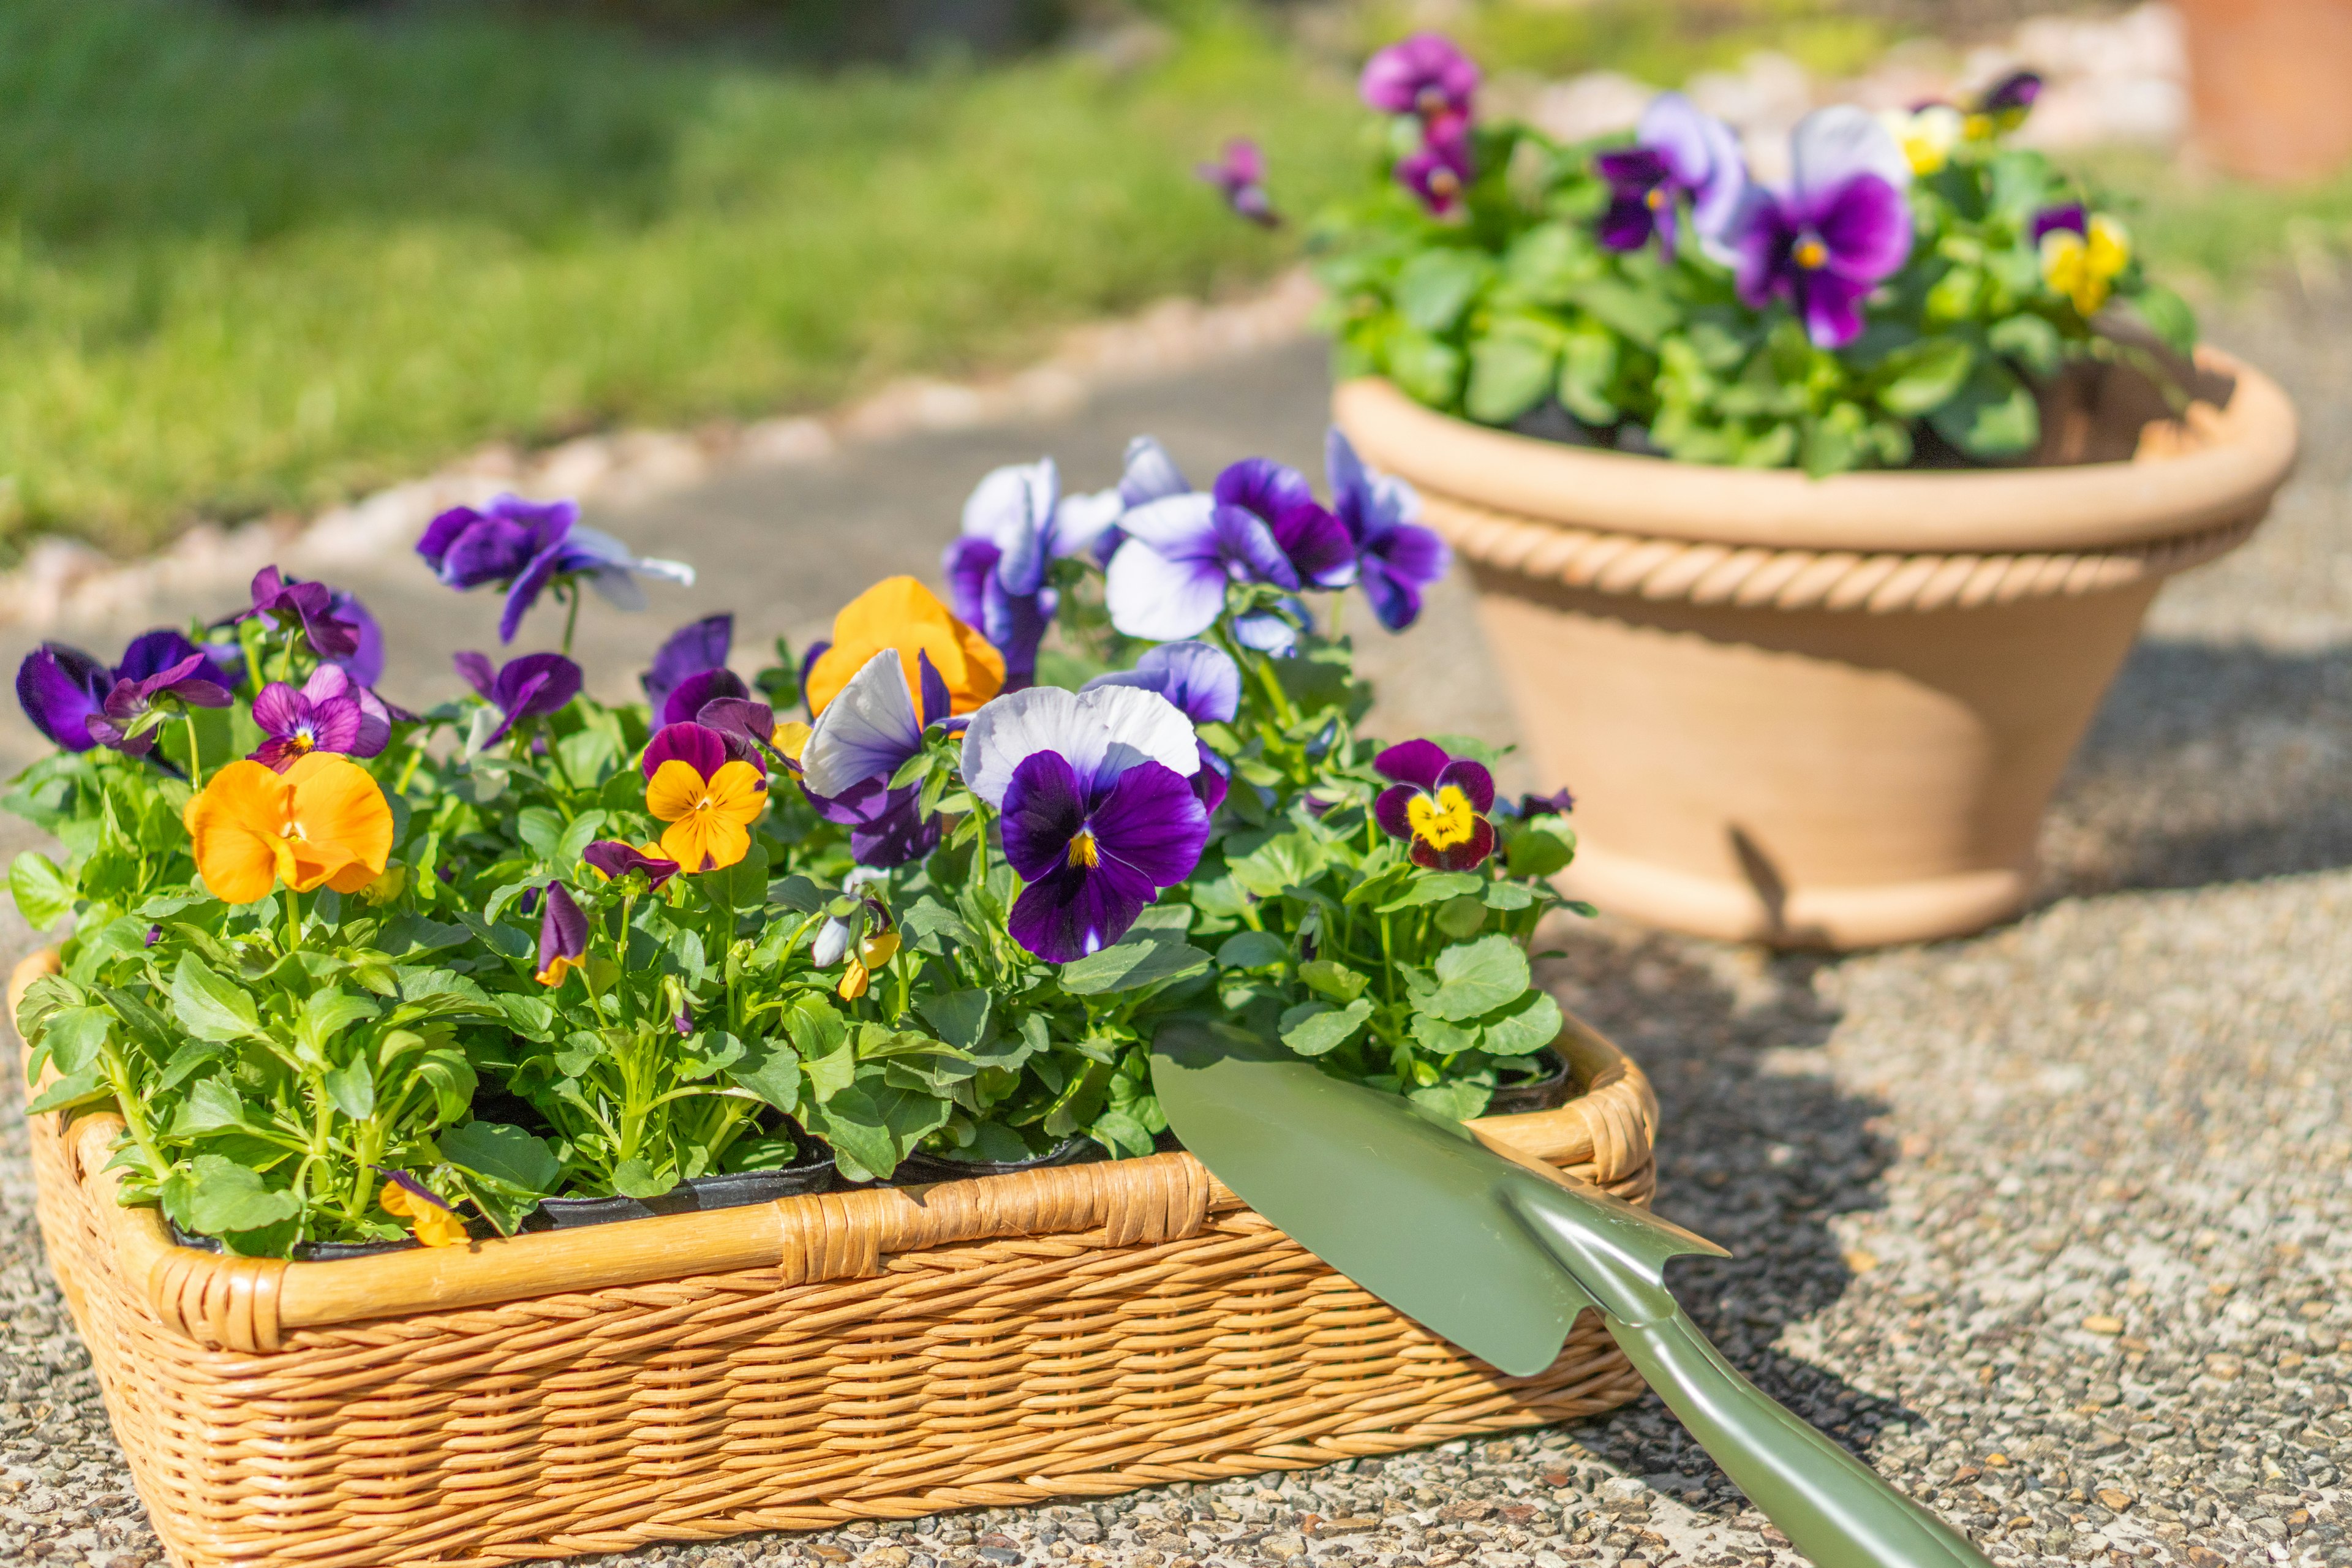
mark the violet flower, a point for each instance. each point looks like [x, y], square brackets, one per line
[1098, 816]
[327, 714]
[2004, 105]
[1841, 228]
[127, 720]
[1090, 522]
[61, 689]
[1678, 153]
[1437, 804]
[533, 686]
[364, 663]
[310, 607]
[1206, 685]
[530, 547]
[1424, 75]
[563, 936]
[861, 740]
[1396, 558]
[1439, 170]
[616, 859]
[1260, 524]
[690, 670]
[1239, 175]
[1559, 802]
[997, 570]
[747, 726]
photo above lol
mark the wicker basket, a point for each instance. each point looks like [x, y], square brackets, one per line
[883, 1354]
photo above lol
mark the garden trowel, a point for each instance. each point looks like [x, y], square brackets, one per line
[1498, 1253]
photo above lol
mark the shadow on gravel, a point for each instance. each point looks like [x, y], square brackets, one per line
[2209, 763]
[1758, 1148]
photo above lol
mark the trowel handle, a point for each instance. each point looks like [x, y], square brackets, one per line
[1833, 1507]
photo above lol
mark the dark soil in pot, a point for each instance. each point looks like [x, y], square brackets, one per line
[327, 1251]
[921, 1166]
[1550, 1086]
[811, 1172]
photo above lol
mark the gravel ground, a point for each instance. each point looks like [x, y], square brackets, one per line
[2052, 1225]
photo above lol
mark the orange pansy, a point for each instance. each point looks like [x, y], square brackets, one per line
[429, 1223]
[710, 819]
[321, 822]
[899, 613]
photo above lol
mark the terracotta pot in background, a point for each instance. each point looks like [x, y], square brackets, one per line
[2266, 78]
[1819, 713]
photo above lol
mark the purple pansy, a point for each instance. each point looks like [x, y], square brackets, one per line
[187, 681]
[1396, 558]
[330, 713]
[861, 740]
[1317, 545]
[2071, 218]
[311, 607]
[747, 726]
[1097, 812]
[690, 669]
[699, 746]
[364, 663]
[1016, 525]
[1206, 685]
[1439, 170]
[533, 686]
[616, 859]
[1240, 174]
[1437, 804]
[1559, 802]
[529, 546]
[1678, 153]
[2008, 100]
[562, 935]
[1261, 523]
[1841, 229]
[61, 689]
[1424, 75]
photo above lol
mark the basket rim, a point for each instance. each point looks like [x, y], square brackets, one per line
[247, 1304]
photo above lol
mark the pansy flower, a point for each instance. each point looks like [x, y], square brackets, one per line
[1261, 523]
[1926, 134]
[563, 936]
[532, 687]
[690, 669]
[530, 546]
[1424, 75]
[430, 1220]
[1437, 804]
[997, 570]
[1679, 154]
[1558, 802]
[614, 859]
[1091, 522]
[2082, 255]
[2003, 106]
[62, 689]
[1206, 685]
[860, 741]
[1396, 558]
[327, 714]
[899, 613]
[1841, 228]
[321, 822]
[126, 721]
[309, 608]
[1439, 170]
[1239, 176]
[710, 799]
[1098, 814]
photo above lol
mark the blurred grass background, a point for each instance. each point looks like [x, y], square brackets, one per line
[260, 257]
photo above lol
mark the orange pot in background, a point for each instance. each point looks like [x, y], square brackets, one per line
[2267, 78]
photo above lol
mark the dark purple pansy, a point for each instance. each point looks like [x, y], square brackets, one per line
[1439, 170]
[747, 724]
[310, 607]
[533, 686]
[529, 546]
[2008, 100]
[615, 859]
[1093, 857]
[188, 682]
[1424, 75]
[693, 649]
[62, 689]
[1558, 802]
[1316, 543]
[1396, 559]
[697, 746]
[562, 935]
[1678, 154]
[1240, 176]
[1841, 228]
[364, 663]
[325, 715]
[2071, 218]
[1437, 804]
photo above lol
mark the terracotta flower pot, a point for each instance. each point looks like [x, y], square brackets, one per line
[1822, 712]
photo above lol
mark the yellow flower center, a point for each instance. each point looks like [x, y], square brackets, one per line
[1656, 199]
[1811, 253]
[1444, 182]
[1444, 821]
[1083, 851]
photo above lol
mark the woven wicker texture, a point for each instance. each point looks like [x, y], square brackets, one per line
[893, 1353]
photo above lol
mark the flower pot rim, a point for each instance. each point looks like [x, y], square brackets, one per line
[1980, 511]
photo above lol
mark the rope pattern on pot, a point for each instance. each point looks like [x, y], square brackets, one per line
[1645, 567]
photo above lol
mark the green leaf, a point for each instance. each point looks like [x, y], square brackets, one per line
[1431, 887]
[1428, 369]
[74, 1088]
[1644, 315]
[1528, 1026]
[74, 1037]
[1286, 861]
[1462, 917]
[961, 1018]
[772, 1070]
[1547, 263]
[872, 1126]
[2031, 341]
[2168, 315]
[932, 927]
[1537, 852]
[503, 1154]
[44, 896]
[540, 829]
[1252, 949]
[743, 885]
[351, 1086]
[1438, 1037]
[1993, 416]
[1313, 1028]
[1436, 287]
[1455, 1101]
[636, 1177]
[407, 933]
[1131, 965]
[208, 1006]
[1510, 373]
[1331, 979]
[797, 892]
[1588, 370]
[822, 1037]
[224, 1197]
[1478, 977]
[1921, 375]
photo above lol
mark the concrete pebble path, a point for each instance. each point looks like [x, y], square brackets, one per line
[2053, 1224]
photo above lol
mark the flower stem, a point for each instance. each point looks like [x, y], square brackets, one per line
[572, 618]
[293, 920]
[195, 758]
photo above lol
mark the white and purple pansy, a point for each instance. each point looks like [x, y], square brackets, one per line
[1205, 684]
[1091, 522]
[1679, 153]
[859, 743]
[1015, 526]
[1396, 558]
[1260, 523]
[1842, 228]
[1096, 808]
[1437, 804]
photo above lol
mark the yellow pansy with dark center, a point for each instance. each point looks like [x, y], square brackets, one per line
[2084, 264]
[1440, 821]
[1437, 804]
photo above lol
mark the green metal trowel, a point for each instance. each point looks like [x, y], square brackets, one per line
[1498, 1253]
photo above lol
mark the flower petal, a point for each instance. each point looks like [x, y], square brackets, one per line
[697, 691]
[1200, 678]
[1416, 762]
[1392, 810]
[340, 805]
[1152, 825]
[700, 749]
[1101, 734]
[1044, 810]
[1074, 912]
[1473, 780]
[672, 795]
[1867, 225]
[59, 688]
[697, 646]
[235, 825]
[901, 613]
[867, 732]
[1831, 145]
[1162, 599]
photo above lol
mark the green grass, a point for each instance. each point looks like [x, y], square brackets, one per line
[248, 264]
